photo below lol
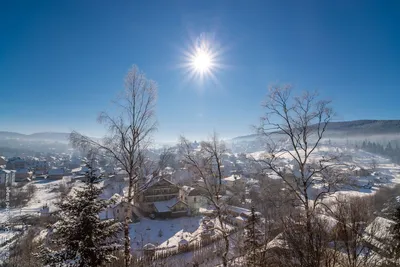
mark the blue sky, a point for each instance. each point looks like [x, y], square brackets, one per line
[62, 62]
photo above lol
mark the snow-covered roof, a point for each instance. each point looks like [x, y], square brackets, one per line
[151, 181]
[238, 209]
[277, 242]
[149, 246]
[379, 232]
[187, 189]
[233, 178]
[165, 206]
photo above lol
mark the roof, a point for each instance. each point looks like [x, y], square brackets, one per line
[165, 206]
[22, 170]
[233, 178]
[278, 242]
[238, 210]
[56, 172]
[378, 232]
[187, 189]
[149, 246]
[194, 191]
[153, 181]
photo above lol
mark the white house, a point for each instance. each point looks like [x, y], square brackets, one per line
[119, 210]
[194, 197]
[7, 175]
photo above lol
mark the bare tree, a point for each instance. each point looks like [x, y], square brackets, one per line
[129, 134]
[294, 126]
[352, 214]
[206, 164]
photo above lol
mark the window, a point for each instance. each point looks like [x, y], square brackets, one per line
[117, 210]
[194, 199]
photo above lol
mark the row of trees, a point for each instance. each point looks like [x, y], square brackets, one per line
[391, 150]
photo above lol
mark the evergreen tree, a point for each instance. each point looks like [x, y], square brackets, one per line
[253, 239]
[80, 238]
[396, 231]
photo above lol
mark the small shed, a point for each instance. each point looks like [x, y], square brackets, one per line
[149, 250]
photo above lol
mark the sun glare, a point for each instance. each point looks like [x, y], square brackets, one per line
[202, 61]
[202, 58]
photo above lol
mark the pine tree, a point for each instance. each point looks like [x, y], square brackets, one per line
[396, 231]
[80, 238]
[252, 239]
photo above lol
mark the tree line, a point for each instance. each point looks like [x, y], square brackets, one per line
[390, 150]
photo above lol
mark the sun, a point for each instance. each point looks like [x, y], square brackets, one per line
[202, 61]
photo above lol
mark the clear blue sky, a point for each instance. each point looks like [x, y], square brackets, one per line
[62, 62]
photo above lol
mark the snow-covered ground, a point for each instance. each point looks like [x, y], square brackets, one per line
[46, 193]
[163, 233]
[5, 247]
[384, 174]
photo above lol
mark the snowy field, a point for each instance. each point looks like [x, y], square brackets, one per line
[46, 193]
[163, 233]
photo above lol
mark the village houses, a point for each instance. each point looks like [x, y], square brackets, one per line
[160, 198]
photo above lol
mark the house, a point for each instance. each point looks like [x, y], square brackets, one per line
[160, 197]
[55, 174]
[240, 216]
[82, 170]
[40, 165]
[3, 161]
[15, 163]
[124, 209]
[39, 172]
[358, 171]
[119, 210]
[379, 236]
[169, 208]
[234, 180]
[22, 175]
[194, 197]
[7, 176]
[157, 189]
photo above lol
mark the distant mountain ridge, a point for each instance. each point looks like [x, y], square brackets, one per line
[352, 128]
[341, 128]
[48, 136]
